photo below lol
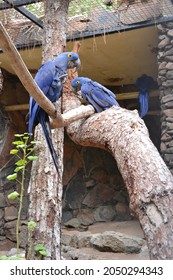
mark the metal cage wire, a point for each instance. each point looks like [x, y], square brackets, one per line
[86, 18]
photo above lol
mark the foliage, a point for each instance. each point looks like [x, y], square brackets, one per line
[23, 150]
[4, 258]
[40, 249]
[84, 7]
[76, 7]
[36, 9]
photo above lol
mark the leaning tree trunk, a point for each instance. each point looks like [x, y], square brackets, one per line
[147, 178]
[45, 185]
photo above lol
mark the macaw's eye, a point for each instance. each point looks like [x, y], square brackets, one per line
[77, 82]
[69, 55]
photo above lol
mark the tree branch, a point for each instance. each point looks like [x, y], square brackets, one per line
[28, 82]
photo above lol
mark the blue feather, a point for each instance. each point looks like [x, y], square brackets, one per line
[50, 78]
[97, 95]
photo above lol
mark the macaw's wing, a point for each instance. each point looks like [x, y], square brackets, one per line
[87, 95]
[44, 76]
[100, 97]
[44, 79]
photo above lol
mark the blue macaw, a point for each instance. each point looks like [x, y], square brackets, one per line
[97, 95]
[144, 83]
[50, 78]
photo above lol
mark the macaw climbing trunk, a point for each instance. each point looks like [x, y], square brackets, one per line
[45, 184]
[146, 176]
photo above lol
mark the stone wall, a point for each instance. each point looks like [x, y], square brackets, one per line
[165, 80]
[93, 191]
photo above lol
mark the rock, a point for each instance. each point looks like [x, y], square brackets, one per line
[169, 66]
[72, 161]
[2, 200]
[74, 223]
[170, 33]
[1, 213]
[13, 252]
[10, 232]
[167, 98]
[164, 43]
[83, 240]
[10, 213]
[75, 191]
[90, 183]
[66, 216]
[168, 112]
[86, 217]
[162, 65]
[97, 196]
[104, 213]
[121, 208]
[111, 241]
[169, 74]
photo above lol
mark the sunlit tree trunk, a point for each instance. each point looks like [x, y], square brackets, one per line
[45, 185]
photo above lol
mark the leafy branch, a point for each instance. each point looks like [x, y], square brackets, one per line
[23, 151]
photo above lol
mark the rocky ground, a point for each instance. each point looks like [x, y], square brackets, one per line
[112, 240]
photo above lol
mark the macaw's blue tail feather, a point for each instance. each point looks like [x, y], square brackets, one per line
[143, 100]
[45, 123]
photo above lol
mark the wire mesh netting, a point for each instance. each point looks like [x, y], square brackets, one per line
[85, 18]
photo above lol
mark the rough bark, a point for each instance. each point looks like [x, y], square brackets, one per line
[45, 185]
[147, 178]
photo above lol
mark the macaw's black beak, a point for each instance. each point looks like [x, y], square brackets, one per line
[75, 89]
[75, 63]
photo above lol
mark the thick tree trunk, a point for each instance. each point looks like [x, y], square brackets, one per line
[45, 185]
[147, 178]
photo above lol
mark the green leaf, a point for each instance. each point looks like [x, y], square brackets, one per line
[39, 247]
[32, 158]
[43, 253]
[13, 195]
[21, 162]
[30, 149]
[13, 151]
[18, 135]
[18, 168]
[26, 137]
[12, 177]
[32, 225]
[21, 146]
[4, 258]
[18, 142]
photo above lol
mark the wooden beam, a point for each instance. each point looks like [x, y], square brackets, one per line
[134, 95]
[19, 107]
[119, 96]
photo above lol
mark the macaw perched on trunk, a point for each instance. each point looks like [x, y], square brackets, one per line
[144, 84]
[97, 95]
[50, 78]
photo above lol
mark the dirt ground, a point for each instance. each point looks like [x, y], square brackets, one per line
[127, 227]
